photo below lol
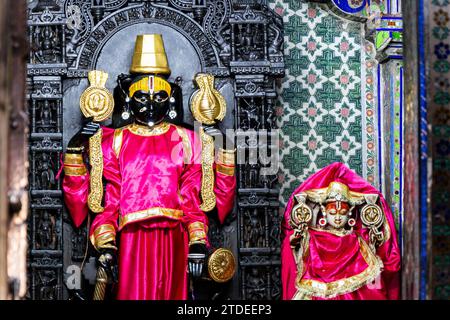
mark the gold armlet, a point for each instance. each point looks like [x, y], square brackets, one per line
[226, 170]
[75, 171]
[104, 237]
[73, 158]
[197, 233]
[226, 157]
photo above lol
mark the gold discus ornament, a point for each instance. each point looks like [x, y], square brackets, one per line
[221, 265]
[96, 102]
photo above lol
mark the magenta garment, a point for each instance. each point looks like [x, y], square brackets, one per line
[152, 263]
[144, 173]
[332, 257]
[157, 163]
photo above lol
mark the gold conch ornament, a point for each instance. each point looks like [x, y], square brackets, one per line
[208, 104]
[221, 265]
[96, 101]
[150, 55]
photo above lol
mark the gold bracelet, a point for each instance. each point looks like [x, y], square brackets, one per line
[226, 170]
[79, 149]
[73, 158]
[226, 157]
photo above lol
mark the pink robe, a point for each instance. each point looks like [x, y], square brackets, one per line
[333, 258]
[152, 198]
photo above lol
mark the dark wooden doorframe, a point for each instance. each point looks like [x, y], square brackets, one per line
[13, 149]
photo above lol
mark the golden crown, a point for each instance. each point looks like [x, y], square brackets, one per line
[150, 56]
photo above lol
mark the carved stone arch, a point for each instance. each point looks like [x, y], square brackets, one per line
[148, 13]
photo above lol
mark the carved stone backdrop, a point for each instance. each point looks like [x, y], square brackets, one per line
[240, 42]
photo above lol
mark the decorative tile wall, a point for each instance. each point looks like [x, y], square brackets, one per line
[326, 109]
[438, 101]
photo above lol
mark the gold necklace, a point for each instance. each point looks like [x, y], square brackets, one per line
[145, 131]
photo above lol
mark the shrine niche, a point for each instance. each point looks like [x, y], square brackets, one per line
[239, 43]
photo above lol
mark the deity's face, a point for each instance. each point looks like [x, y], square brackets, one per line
[150, 103]
[337, 216]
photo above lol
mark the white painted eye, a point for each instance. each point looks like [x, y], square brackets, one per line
[143, 109]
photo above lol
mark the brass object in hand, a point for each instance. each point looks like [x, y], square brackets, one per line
[221, 265]
[97, 101]
[208, 104]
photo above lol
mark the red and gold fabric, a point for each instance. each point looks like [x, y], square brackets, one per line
[152, 202]
[76, 187]
[341, 265]
[225, 183]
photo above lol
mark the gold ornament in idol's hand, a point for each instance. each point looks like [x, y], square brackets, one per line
[150, 55]
[208, 104]
[221, 265]
[97, 101]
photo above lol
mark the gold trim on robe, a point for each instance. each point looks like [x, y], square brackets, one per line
[96, 183]
[316, 288]
[187, 148]
[145, 214]
[104, 237]
[208, 178]
[117, 142]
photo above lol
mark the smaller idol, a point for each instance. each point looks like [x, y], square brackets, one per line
[340, 240]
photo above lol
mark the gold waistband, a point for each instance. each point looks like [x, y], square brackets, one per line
[145, 214]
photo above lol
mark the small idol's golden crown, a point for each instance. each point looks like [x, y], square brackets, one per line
[337, 191]
[150, 55]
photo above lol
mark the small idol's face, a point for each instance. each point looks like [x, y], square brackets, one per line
[150, 109]
[337, 217]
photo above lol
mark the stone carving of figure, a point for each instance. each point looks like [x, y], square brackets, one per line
[255, 285]
[78, 244]
[47, 176]
[47, 43]
[48, 282]
[254, 230]
[45, 231]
